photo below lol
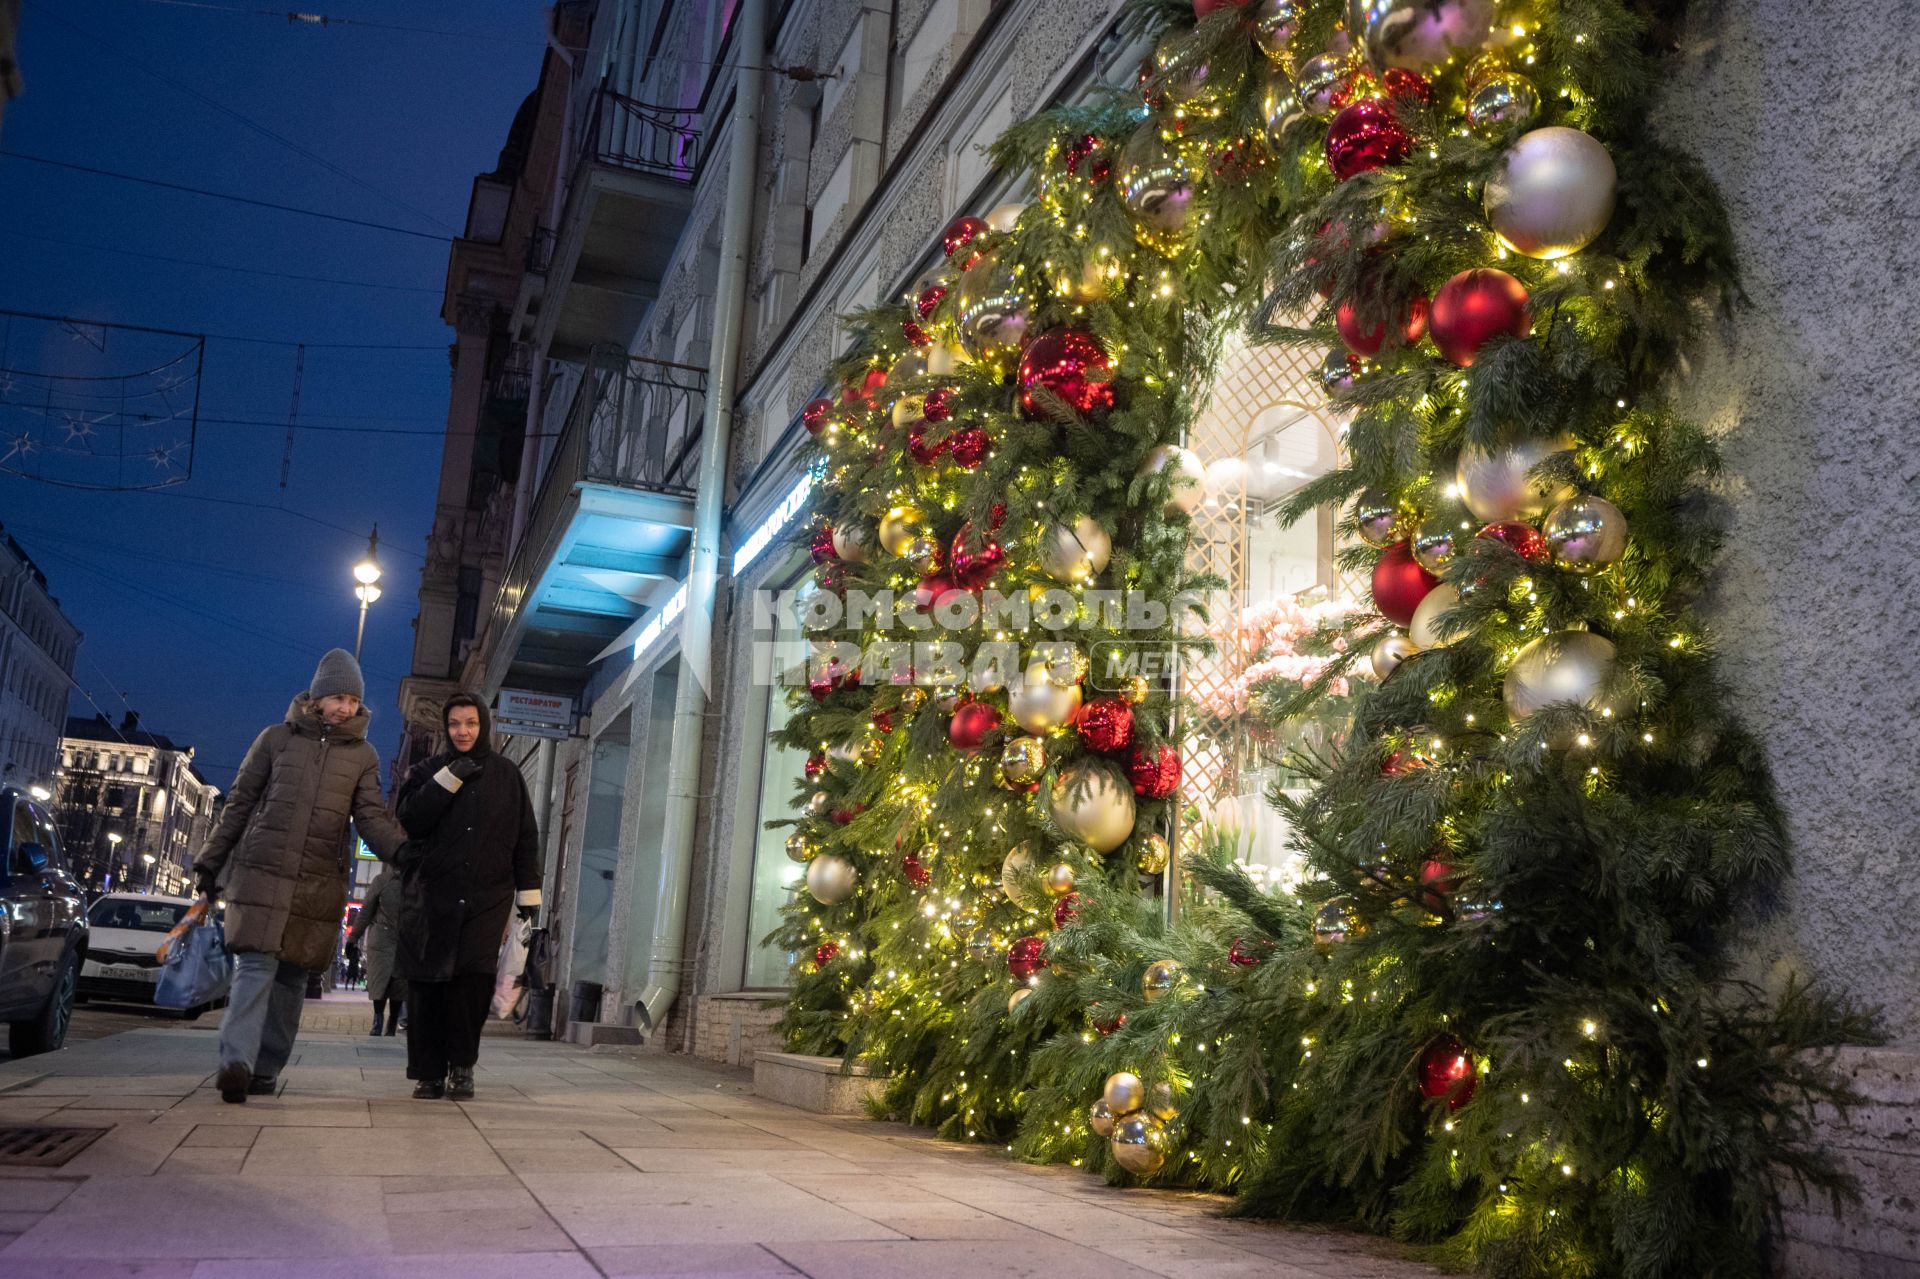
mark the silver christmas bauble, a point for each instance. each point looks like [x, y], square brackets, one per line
[1505, 100]
[1319, 81]
[830, 878]
[1336, 372]
[1586, 533]
[1275, 23]
[1376, 518]
[1156, 185]
[1139, 1144]
[1421, 630]
[1093, 803]
[1439, 536]
[1100, 1119]
[1552, 194]
[1566, 666]
[1160, 1102]
[1162, 976]
[1124, 1093]
[1018, 997]
[853, 541]
[1038, 703]
[818, 804]
[1279, 104]
[1420, 35]
[1389, 652]
[1188, 475]
[1075, 554]
[1497, 486]
[993, 310]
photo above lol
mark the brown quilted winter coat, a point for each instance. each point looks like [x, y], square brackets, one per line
[280, 852]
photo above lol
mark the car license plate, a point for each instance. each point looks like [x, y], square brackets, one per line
[126, 973]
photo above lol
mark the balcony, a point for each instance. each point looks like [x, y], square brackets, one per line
[627, 201]
[606, 539]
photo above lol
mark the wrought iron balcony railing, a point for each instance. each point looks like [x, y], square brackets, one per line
[625, 133]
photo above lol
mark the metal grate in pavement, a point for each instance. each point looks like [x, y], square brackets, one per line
[32, 1146]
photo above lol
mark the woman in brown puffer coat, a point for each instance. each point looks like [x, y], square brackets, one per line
[281, 857]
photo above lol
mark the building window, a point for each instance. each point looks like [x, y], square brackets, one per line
[774, 874]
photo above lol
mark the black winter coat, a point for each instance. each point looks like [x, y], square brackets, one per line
[470, 851]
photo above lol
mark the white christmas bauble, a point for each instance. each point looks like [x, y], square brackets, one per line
[1037, 703]
[1435, 602]
[1189, 477]
[1005, 217]
[830, 878]
[1075, 554]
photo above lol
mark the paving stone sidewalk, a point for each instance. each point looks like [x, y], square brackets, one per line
[569, 1162]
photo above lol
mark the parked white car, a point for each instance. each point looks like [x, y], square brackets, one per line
[127, 928]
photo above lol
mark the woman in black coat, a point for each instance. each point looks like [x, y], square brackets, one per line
[474, 857]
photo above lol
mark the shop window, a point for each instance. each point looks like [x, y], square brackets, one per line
[774, 874]
[600, 852]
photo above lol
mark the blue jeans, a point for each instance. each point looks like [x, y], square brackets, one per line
[263, 1013]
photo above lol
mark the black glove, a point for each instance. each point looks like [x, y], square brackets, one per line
[528, 913]
[465, 768]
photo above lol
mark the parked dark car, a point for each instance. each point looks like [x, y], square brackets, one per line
[43, 929]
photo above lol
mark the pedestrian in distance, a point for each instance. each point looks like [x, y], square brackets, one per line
[281, 857]
[474, 857]
[378, 931]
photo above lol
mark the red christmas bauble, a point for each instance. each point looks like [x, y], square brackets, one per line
[1446, 1072]
[821, 545]
[1528, 542]
[1366, 135]
[915, 871]
[1367, 343]
[933, 588]
[814, 416]
[1398, 762]
[824, 953]
[973, 561]
[929, 300]
[971, 723]
[1155, 773]
[1087, 157]
[882, 720]
[918, 448]
[1073, 367]
[866, 387]
[1439, 880]
[1403, 85]
[1475, 307]
[1026, 957]
[969, 447]
[816, 765]
[1246, 954]
[938, 406]
[1106, 723]
[914, 334]
[961, 232]
[1105, 1025]
[1067, 909]
[843, 816]
[821, 686]
[1399, 584]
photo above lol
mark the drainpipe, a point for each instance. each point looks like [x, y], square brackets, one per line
[665, 967]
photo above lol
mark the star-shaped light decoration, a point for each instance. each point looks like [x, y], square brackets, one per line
[162, 458]
[80, 427]
[22, 445]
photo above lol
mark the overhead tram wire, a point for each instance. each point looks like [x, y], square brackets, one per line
[221, 266]
[223, 195]
[232, 114]
[298, 18]
[224, 337]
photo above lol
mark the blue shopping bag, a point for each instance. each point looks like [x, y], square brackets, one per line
[195, 966]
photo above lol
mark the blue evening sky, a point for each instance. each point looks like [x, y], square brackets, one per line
[209, 616]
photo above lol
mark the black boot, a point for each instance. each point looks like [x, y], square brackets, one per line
[429, 1089]
[232, 1082]
[376, 1026]
[460, 1083]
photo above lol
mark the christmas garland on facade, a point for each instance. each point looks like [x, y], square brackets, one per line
[1502, 1017]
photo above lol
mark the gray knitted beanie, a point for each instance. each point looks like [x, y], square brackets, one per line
[337, 673]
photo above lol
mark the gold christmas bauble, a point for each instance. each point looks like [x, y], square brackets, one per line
[1500, 486]
[1100, 1119]
[1438, 537]
[871, 749]
[1124, 1093]
[1502, 101]
[1552, 194]
[1016, 877]
[944, 359]
[1319, 80]
[844, 752]
[853, 541]
[922, 552]
[912, 698]
[1018, 997]
[1037, 703]
[899, 526]
[1275, 23]
[830, 878]
[1160, 1102]
[1135, 688]
[1586, 534]
[1157, 187]
[992, 309]
[1059, 880]
[1421, 630]
[909, 411]
[800, 848]
[1188, 476]
[1162, 975]
[1154, 854]
[1376, 518]
[818, 804]
[946, 697]
[1093, 803]
[1420, 35]
[1279, 104]
[1075, 554]
[1139, 1144]
[1391, 650]
[1566, 666]
[1023, 760]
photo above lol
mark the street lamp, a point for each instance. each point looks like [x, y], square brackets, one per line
[113, 860]
[367, 574]
[148, 858]
[40, 792]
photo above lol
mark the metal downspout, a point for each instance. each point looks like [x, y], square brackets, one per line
[661, 984]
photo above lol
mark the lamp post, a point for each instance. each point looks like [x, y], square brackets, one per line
[113, 856]
[367, 576]
[148, 858]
